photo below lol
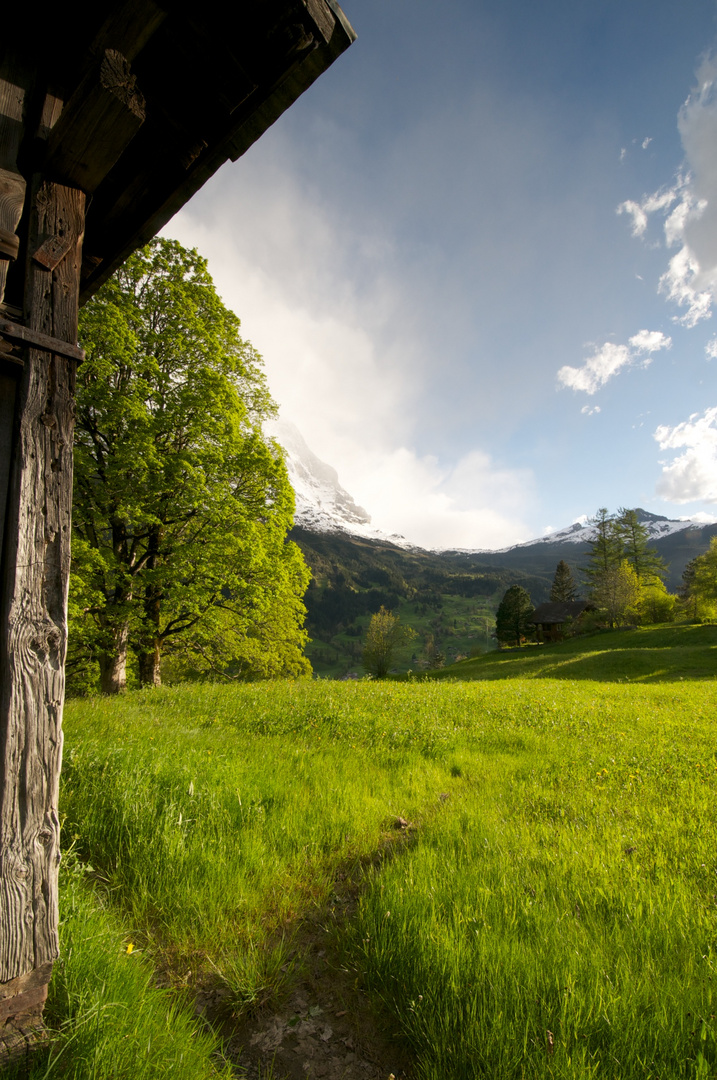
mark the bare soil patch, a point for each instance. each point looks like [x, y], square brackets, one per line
[325, 1028]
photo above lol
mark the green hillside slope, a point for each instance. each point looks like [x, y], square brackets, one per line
[648, 654]
[449, 600]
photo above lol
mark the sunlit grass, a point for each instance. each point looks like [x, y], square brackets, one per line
[562, 880]
[105, 1018]
[647, 654]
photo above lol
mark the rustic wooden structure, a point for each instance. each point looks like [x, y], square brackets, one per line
[111, 116]
[550, 618]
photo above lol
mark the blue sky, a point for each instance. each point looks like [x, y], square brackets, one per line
[479, 257]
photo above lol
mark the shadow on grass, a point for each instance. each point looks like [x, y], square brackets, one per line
[648, 655]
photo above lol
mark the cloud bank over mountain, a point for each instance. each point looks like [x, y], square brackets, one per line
[416, 273]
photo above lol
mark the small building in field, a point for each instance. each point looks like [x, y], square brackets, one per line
[549, 618]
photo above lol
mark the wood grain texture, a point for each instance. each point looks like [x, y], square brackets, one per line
[12, 184]
[33, 630]
[96, 125]
[16, 332]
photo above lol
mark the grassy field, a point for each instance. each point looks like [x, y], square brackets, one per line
[554, 915]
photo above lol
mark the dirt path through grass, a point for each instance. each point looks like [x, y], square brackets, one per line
[325, 1027]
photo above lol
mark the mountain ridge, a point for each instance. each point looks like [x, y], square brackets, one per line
[324, 507]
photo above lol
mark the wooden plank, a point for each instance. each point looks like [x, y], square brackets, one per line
[128, 28]
[33, 616]
[26, 1002]
[96, 125]
[17, 332]
[38, 977]
[12, 184]
[322, 15]
[8, 382]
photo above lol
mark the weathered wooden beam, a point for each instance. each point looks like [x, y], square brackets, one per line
[16, 332]
[33, 613]
[12, 184]
[128, 28]
[96, 125]
[149, 184]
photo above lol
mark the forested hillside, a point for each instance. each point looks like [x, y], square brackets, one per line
[449, 599]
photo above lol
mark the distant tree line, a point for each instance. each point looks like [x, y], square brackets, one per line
[623, 580]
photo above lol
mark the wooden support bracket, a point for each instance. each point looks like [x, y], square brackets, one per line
[96, 125]
[38, 340]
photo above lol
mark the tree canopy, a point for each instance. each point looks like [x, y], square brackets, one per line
[644, 559]
[699, 588]
[182, 505]
[617, 592]
[384, 636]
[624, 572]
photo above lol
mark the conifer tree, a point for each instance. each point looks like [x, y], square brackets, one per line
[564, 588]
[607, 549]
[644, 560]
[514, 610]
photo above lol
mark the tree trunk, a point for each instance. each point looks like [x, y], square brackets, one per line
[151, 652]
[113, 665]
[150, 667]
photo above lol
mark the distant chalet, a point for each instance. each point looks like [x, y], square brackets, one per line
[550, 618]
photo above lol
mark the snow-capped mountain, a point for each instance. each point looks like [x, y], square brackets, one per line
[582, 532]
[322, 504]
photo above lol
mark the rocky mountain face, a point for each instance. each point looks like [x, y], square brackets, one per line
[322, 504]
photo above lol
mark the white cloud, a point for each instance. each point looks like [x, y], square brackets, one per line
[650, 204]
[711, 349]
[471, 503]
[701, 518]
[692, 475]
[646, 142]
[650, 341]
[609, 359]
[689, 206]
[589, 411]
[343, 361]
[639, 217]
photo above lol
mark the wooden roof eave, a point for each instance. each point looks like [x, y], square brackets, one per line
[249, 121]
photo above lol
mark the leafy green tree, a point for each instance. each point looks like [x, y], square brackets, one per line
[617, 592]
[645, 561]
[564, 588]
[655, 604]
[514, 610]
[699, 584]
[182, 506]
[384, 636]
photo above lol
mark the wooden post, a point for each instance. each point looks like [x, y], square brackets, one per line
[33, 626]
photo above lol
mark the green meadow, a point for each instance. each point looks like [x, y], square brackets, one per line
[552, 913]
